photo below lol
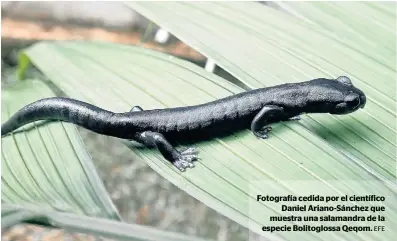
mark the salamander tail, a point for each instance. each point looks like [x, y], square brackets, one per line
[62, 109]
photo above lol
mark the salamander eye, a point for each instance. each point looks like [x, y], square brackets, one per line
[344, 80]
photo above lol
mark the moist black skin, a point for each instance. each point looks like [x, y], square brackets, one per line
[159, 128]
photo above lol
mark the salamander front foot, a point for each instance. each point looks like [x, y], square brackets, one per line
[258, 124]
[186, 158]
[263, 132]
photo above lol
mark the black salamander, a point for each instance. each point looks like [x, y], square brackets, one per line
[161, 128]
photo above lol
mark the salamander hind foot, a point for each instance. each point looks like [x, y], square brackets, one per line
[180, 159]
[295, 118]
[185, 159]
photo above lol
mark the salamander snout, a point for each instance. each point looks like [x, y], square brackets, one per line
[356, 99]
[363, 100]
[353, 101]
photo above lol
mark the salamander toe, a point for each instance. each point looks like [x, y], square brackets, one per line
[189, 151]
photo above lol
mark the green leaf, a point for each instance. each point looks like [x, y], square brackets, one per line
[47, 165]
[344, 23]
[45, 168]
[12, 214]
[262, 46]
[117, 77]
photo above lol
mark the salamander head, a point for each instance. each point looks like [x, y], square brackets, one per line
[337, 96]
